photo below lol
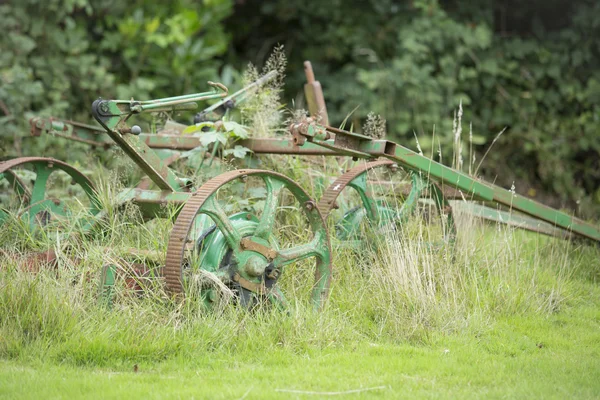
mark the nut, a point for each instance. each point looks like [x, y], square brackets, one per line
[309, 205]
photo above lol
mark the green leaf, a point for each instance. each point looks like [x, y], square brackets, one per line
[212, 137]
[239, 131]
[238, 151]
[152, 25]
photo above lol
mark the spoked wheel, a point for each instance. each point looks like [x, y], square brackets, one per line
[25, 183]
[385, 195]
[241, 250]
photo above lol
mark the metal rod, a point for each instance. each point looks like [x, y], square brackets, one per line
[472, 188]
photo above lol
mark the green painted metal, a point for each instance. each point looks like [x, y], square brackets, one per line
[96, 136]
[510, 218]
[473, 189]
[380, 213]
[152, 202]
[84, 133]
[108, 277]
[360, 185]
[235, 241]
[166, 146]
[212, 247]
[36, 205]
[113, 114]
[112, 118]
[243, 93]
[249, 243]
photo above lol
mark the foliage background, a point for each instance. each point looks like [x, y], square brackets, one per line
[531, 67]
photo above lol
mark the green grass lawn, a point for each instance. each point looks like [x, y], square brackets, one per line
[499, 313]
[530, 356]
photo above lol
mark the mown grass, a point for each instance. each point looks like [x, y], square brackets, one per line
[515, 357]
[501, 313]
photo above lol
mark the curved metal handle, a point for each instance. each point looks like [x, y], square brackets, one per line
[218, 85]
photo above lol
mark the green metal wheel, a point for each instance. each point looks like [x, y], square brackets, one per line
[25, 184]
[242, 251]
[386, 195]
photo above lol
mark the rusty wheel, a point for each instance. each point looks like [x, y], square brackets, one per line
[26, 189]
[241, 250]
[385, 200]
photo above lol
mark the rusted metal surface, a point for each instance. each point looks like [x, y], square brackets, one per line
[314, 96]
[328, 200]
[179, 234]
[267, 252]
[259, 288]
[36, 206]
[472, 188]
[112, 114]
[41, 260]
[179, 237]
[284, 146]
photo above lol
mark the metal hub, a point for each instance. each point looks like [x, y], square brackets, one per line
[255, 265]
[242, 250]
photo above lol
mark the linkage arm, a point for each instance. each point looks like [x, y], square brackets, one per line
[113, 114]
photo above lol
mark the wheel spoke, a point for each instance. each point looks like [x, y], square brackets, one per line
[212, 208]
[410, 203]
[267, 219]
[312, 249]
[17, 185]
[277, 297]
[42, 172]
[238, 250]
[360, 185]
[34, 200]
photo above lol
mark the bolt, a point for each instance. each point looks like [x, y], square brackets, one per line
[248, 216]
[50, 164]
[244, 178]
[309, 205]
[104, 107]
[393, 168]
[56, 202]
[335, 206]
